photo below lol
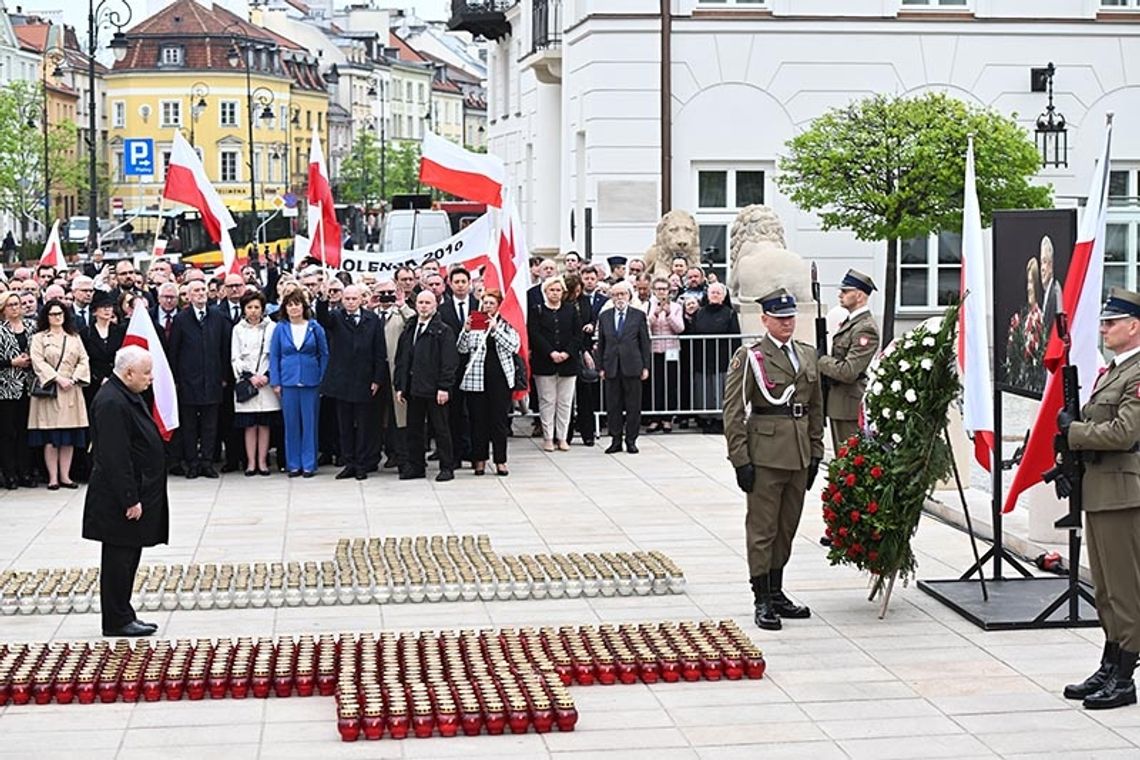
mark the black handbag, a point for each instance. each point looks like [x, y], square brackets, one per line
[521, 381]
[587, 374]
[49, 389]
[243, 388]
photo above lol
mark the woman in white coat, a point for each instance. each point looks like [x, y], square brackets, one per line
[249, 355]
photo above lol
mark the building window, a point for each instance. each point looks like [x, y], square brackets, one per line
[119, 114]
[257, 165]
[228, 113]
[1116, 4]
[1122, 231]
[930, 271]
[721, 192]
[283, 117]
[171, 113]
[120, 173]
[165, 163]
[172, 55]
[228, 161]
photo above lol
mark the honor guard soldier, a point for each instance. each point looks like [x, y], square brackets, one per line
[1109, 431]
[773, 423]
[853, 347]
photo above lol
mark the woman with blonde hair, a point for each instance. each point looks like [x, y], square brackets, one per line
[555, 348]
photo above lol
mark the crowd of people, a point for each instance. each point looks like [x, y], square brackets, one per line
[365, 373]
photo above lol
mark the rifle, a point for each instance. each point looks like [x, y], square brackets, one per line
[1069, 470]
[820, 331]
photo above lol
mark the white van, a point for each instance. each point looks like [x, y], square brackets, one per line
[430, 227]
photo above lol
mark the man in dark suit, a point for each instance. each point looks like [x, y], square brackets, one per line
[426, 363]
[126, 506]
[598, 299]
[357, 372]
[82, 291]
[164, 312]
[200, 361]
[233, 288]
[457, 305]
[623, 344]
[547, 268]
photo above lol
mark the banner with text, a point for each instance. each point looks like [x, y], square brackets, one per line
[469, 243]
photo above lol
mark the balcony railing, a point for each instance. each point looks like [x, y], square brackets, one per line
[482, 18]
[546, 24]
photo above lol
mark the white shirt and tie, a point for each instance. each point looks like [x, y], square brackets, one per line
[354, 317]
[461, 309]
[789, 351]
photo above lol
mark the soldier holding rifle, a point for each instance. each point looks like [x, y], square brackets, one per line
[852, 349]
[1108, 430]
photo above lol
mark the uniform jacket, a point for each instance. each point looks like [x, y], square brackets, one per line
[853, 347]
[200, 356]
[249, 352]
[67, 409]
[429, 365]
[1111, 427]
[627, 354]
[393, 328]
[129, 467]
[14, 382]
[358, 354]
[473, 344]
[292, 367]
[780, 442]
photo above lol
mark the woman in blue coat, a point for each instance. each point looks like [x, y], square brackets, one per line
[298, 357]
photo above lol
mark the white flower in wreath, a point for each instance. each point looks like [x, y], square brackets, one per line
[896, 437]
[900, 416]
[904, 365]
[886, 413]
[927, 364]
[928, 340]
[911, 396]
[896, 386]
[908, 344]
[876, 389]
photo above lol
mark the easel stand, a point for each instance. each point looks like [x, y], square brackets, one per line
[1026, 602]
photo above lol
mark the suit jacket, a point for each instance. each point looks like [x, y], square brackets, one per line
[597, 301]
[1111, 428]
[781, 442]
[157, 316]
[1051, 299]
[226, 308]
[129, 467]
[534, 297]
[450, 316]
[429, 364]
[200, 356]
[852, 349]
[358, 354]
[292, 367]
[394, 324]
[627, 354]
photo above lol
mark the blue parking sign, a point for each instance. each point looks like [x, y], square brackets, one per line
[138, 157]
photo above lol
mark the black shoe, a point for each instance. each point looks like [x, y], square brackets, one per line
[294, 473]
[390, 463]
[230, 467]
[177, 470]
[1097, 680]
[250, 473]
[433, 457]
[631, 448]
[324, 459]
[133, 628]
[361, 475]
[1119, 690]
[208, 472]
[307, 474]
[264, 473]
[11, 484]
[69, 486]
[764, 614]
[615, 447]
[53, 486]
[144, 624]
[784, 606]
[587, 441]
[27, 482]
[654, 427]
[347, 473]
[412, 474]
[444, 476]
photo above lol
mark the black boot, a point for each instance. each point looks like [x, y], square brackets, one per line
[1120, 689]
[765, 614]
[784, 606]
[1097, 680]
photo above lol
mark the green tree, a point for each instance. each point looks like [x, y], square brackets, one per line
[360, 172]
[403, 167]
[891, 169]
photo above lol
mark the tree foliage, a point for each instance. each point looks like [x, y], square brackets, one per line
[360, 176]
[892, 169]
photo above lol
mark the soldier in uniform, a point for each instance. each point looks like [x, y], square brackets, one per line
[617, 269]
[852, 348]
[1109, 430]
[773, 423]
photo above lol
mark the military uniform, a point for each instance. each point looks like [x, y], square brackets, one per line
[853, 347]
[782, 442]
[1109, 431]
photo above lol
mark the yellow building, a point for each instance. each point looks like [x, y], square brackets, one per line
[211, 74]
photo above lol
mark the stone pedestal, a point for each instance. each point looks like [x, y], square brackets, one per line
[1044, 509]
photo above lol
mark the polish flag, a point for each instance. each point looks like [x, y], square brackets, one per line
[973, 346]
[471, 176]
[53, 251]
[1081, 300]
[514, 274]
[324, 230]
[186, 182]
[141, 332]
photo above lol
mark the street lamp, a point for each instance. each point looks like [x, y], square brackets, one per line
[1051, 135]
[198, 93]
[373, 91]
[239, 53]
[101, 14]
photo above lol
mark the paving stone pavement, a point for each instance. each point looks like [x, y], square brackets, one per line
[844, 684]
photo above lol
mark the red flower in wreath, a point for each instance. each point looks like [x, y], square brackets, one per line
[876, 472]
[843, 532]
[873, 507]
[853, 441]
[855, 515]
[873, 556]
[850, 480]
[837, 497]
[842, 451]
[877, 536]
[858, 461]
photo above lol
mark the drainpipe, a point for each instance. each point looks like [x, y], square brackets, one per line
[666, 107]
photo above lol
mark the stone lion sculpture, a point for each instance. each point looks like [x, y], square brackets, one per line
[677, 235]
[760, 262]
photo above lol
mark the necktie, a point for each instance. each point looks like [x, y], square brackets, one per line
[462, 316]
[621, 320]
[201, 317]
[792, 356]
[419, 332]
[356, 320]
[83, 316]
[234, 312]
[169, 325]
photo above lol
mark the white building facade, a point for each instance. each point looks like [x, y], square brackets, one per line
[575, 111]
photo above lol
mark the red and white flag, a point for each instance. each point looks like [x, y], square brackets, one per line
[1082, 302]
[514, 275]
[451, 168]
[141, 332]
[186, 182]
[324, 230]
[973, 345]
[53, 251]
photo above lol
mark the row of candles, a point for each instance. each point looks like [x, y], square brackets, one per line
[363, 571]
[425, 684]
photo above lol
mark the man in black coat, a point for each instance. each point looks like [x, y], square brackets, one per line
[126, 506]
[357, 371]
[200, 361]
[426, 363]
[457, 306]
[623, 343]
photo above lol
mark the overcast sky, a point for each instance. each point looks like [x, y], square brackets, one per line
[429, 9]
